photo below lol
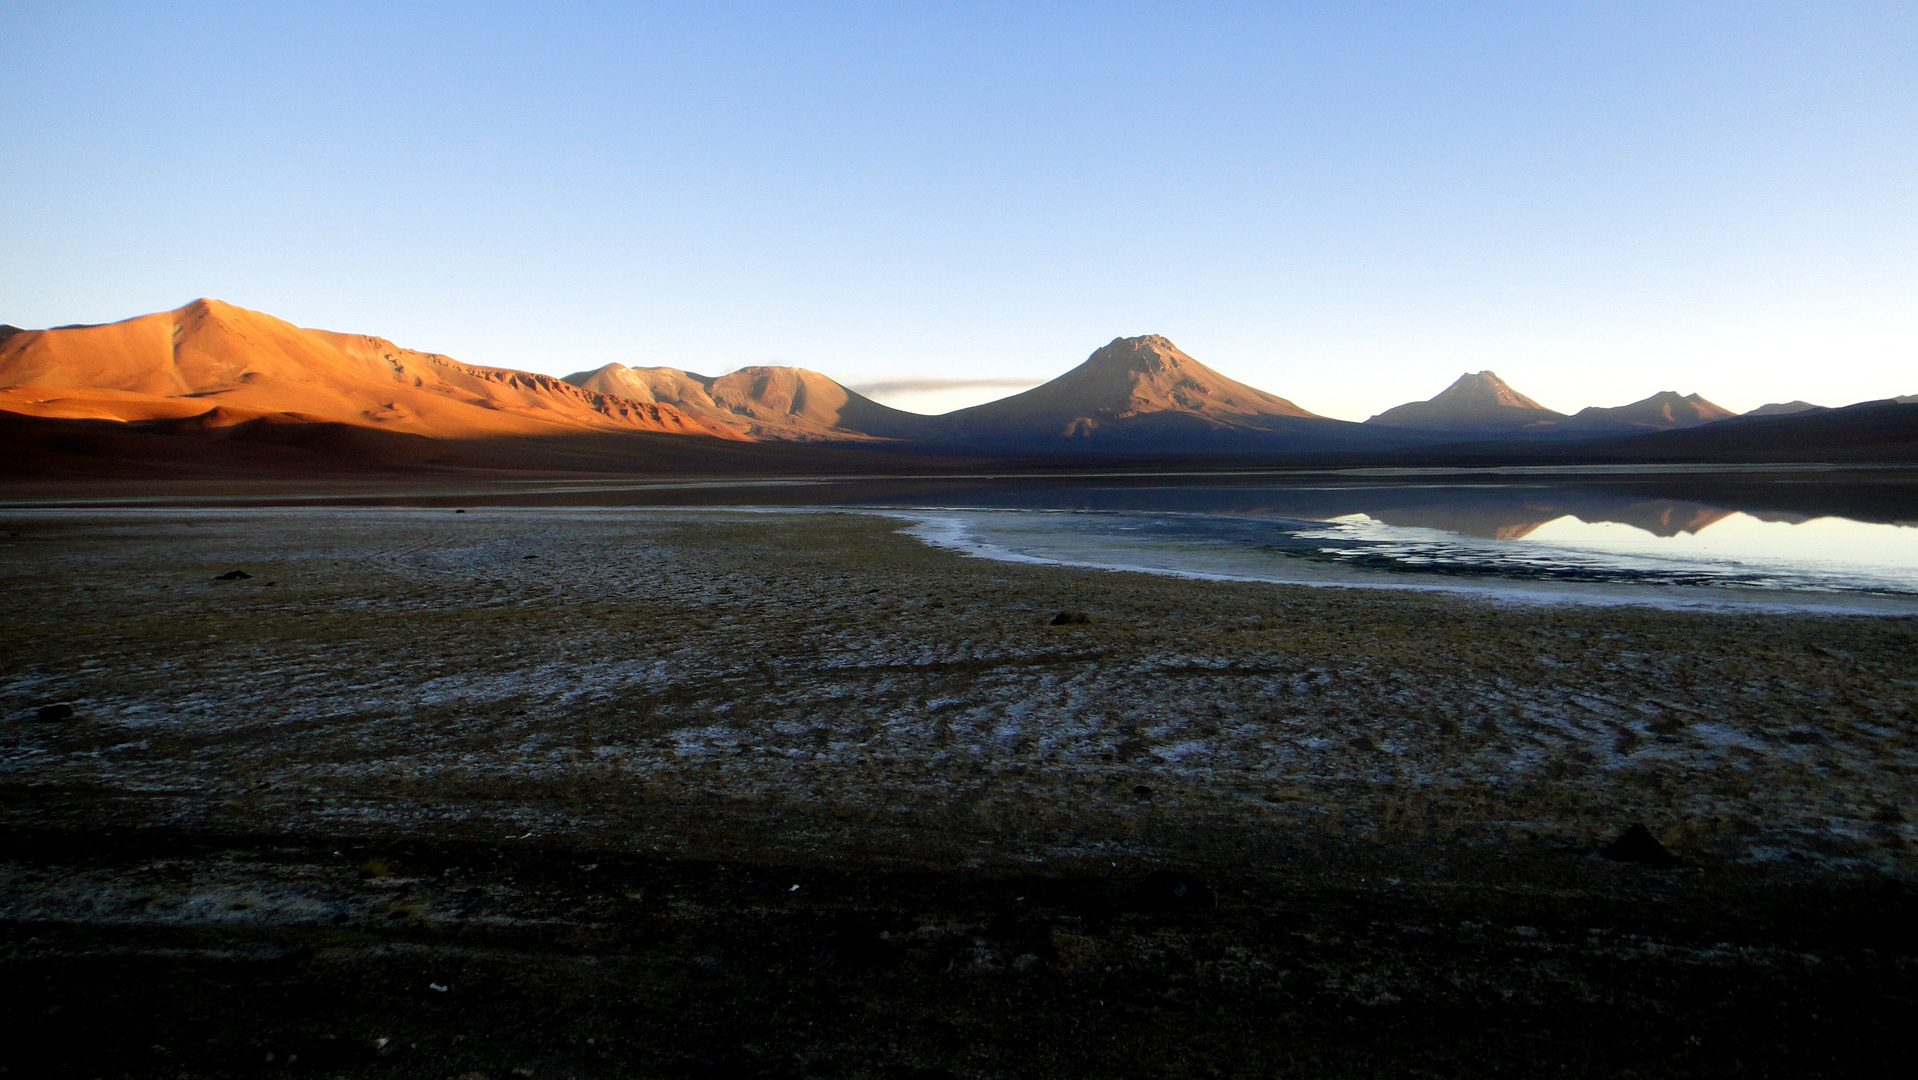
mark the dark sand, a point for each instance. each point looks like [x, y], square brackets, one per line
[1216, 830]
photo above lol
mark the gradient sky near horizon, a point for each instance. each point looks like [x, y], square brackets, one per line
[1346, 204]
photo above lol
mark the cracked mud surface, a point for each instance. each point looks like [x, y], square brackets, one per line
[569, 764]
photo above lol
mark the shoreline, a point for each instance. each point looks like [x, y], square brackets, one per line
[944, 528]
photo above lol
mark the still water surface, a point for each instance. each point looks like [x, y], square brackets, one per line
[1802, 540]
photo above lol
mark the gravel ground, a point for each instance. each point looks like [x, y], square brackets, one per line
[662, 793]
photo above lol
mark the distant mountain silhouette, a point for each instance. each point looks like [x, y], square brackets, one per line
[1883, 431]
[1782, 408]
[1870, 431]
[788, 404]
[1478, 403]
[1483, 404]
[1664, 411]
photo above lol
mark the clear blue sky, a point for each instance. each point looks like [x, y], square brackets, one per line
[1345, 203]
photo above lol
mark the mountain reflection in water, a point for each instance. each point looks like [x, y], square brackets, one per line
[1490, 520]
[1799, 533]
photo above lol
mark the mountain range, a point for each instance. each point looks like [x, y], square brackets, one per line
[225, 372]
[786, 404]
[221, 365]
[1485, 404]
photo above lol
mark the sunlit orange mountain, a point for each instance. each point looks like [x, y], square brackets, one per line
[220, 364]
[784, 403]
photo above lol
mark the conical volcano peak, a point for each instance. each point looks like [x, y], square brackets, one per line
[1142, 343]
[1131, 377]
[1485, 388]
[1477, 401]
[1144, 354]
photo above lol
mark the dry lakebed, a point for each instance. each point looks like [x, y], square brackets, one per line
[662, 793]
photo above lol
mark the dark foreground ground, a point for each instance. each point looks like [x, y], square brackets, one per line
[652, 967]
[562, 793]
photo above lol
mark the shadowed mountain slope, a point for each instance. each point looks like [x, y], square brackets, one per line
[1885, 431]
[1870, 431]
[226, 365]
[1481, 403]
[42, 450]
[785, 403]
